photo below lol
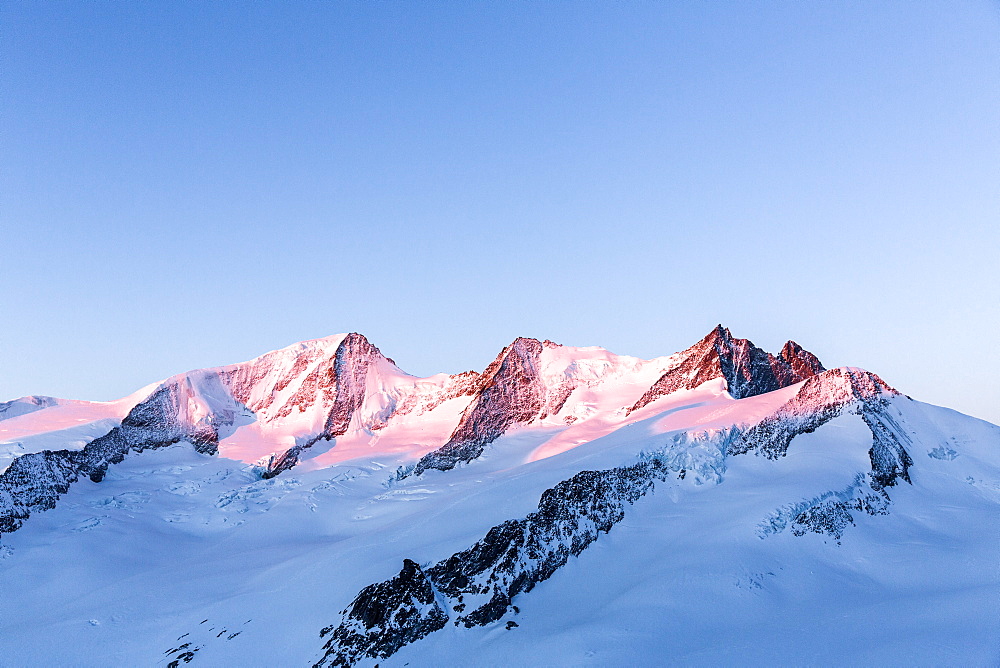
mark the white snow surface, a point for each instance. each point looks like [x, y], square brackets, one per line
[67, 424]
[175, 546]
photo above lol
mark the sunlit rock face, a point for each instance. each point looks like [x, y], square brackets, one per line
[747, 369]
[802, 362]
[510, 391]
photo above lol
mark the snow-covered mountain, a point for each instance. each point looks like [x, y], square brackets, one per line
[565, 506]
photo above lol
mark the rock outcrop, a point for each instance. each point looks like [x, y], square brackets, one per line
[384, 617]
[747, 369]
[820, 399]
[477, 586]
[510, 392]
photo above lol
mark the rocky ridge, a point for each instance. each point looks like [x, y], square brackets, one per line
[513, 390]
[820, 399]
[747, 369]
[477, 586]
[509, 392]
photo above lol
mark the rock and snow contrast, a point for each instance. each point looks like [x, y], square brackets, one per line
[318, 506]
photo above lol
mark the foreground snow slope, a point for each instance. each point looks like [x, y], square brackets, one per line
[565, 506]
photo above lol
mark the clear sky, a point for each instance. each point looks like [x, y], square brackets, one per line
[189, 184]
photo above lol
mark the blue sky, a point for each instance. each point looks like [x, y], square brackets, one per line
[193, 184]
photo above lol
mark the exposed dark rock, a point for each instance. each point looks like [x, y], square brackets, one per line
[511, 559]
[184, 653]
[747, 369]
[803, 363]
[516, 555]
[510, 393]
[164, 418]
[384, 617]
[820, 399]
[888, 454]
[288, 459]
[34, 482]
[832, 515]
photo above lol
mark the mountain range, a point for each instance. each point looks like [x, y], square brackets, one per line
[319, 506]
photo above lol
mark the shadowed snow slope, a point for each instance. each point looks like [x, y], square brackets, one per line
[565, 506]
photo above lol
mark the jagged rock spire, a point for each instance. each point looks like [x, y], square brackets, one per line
[747, 369]
[803, 362]
[511, 392]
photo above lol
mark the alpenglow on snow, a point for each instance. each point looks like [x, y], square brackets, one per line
[318, 506]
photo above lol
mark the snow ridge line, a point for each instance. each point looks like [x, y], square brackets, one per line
[34, 482]
[830, 513]
[24, 405]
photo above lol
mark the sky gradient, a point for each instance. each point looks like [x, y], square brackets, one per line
[194, 184]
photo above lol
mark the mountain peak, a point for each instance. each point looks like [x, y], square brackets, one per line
[719, 333]
[803, 362]
[747, 369]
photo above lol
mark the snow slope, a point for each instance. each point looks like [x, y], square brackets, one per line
[33, 424]
[822, 518]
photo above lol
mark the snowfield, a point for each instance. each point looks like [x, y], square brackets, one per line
[590, 530]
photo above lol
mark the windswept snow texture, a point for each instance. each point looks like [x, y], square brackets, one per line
[564, 506]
